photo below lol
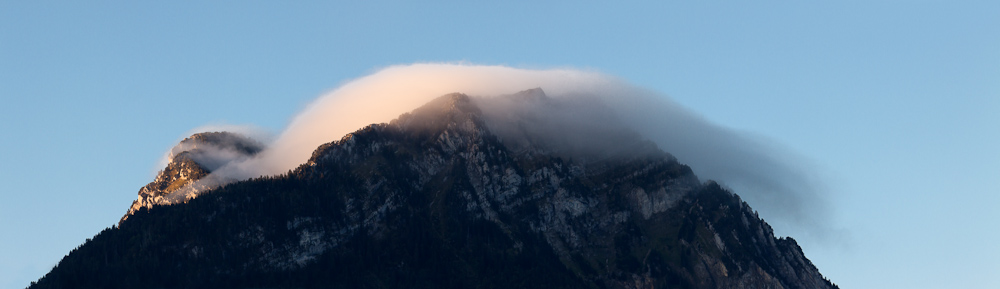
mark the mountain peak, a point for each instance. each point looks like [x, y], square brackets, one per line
[190, 160]
[219, 140]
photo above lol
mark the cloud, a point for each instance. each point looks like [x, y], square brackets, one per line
[253, 132]
[772, 179]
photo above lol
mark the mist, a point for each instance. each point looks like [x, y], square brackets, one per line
[592, 109]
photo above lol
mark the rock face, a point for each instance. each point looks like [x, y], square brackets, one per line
[190, 160]
[435, 200]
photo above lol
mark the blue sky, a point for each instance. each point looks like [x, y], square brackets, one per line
[896, 102]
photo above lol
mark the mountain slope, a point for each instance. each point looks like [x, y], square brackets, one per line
[435, 200]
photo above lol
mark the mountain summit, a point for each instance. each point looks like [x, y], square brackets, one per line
[189, 161]
[447, 197]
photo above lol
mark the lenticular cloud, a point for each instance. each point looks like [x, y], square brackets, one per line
[766, 176]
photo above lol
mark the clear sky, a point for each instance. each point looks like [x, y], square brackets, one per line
[897, 102]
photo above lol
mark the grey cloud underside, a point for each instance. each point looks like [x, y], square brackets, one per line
[772, 178]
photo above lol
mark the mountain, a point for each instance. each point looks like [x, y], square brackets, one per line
[435, 199]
